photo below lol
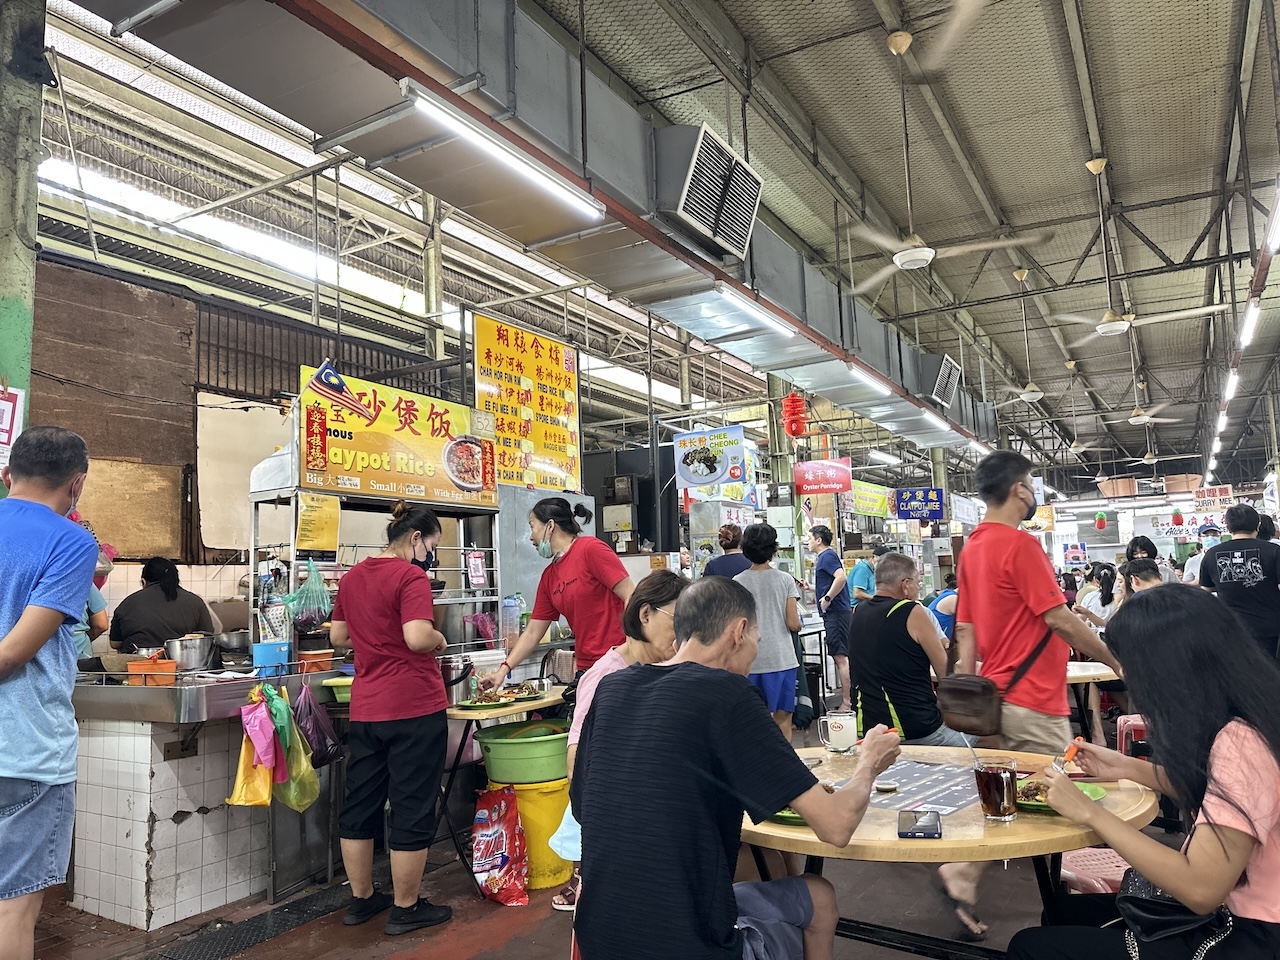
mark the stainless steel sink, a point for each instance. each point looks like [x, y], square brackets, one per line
[187, 701]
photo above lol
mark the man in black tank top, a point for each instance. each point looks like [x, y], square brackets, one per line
[896, 643]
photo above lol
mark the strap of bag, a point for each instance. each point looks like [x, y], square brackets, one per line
[1028, 663]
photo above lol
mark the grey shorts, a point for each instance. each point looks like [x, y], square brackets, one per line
[35, 835]
[772, 917]
[944, 736]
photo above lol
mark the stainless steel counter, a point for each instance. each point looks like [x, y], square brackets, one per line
[184, 702]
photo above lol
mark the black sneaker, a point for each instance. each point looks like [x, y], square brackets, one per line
[422, 914]
[366, 908]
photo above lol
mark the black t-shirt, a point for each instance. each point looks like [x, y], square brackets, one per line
[147, 619]
[1246, 575]
[886, 662]
[670, 758]
[727, 565]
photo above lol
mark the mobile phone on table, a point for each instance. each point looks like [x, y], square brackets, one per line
[919, 825]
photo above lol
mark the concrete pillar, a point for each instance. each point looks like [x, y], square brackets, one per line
[433, 271]
[686, 374]
[21, 74]
[779, 443]
[938, 464]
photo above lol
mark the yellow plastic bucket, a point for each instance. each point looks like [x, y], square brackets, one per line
[542, 807]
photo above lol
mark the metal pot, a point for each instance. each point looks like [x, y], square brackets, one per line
[148, 651]
[191, 653]
[456, 670]
[234, 642]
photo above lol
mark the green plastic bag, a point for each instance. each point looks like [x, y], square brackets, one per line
[278, 707]
[303, 786]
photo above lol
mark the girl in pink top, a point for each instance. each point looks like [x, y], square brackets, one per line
[1209, 696]
[649, 624]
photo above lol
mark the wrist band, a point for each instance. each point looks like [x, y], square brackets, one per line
[505, 664]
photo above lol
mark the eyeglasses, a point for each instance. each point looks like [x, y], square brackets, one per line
[669, 613]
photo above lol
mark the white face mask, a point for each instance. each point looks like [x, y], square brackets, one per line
[1210, 542]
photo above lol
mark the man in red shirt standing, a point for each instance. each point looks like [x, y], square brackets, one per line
[1009, 600]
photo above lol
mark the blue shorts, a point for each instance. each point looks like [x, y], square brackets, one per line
[35, 835]
[837, 626]
[778, 687]
[772, 917]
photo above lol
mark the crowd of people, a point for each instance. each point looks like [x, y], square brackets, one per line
[686, 690]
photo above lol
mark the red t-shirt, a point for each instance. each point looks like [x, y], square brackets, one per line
[376, 598]
[579, 587]
[1006, 586]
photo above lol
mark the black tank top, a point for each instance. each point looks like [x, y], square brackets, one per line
[888, 665]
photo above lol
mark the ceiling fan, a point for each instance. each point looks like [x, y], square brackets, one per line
[912, 252]
[1030, 393]
[963, 15]
[1139, 417]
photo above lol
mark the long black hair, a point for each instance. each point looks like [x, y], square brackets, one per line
[162, 571]
[1106, 583]
[1192, 667]
[406, 518]
[558, 511]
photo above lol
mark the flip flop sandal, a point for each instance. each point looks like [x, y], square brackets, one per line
[959, 907]
[567, 899]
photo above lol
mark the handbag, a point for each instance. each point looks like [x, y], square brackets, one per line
[972, 704]
[1151, 914]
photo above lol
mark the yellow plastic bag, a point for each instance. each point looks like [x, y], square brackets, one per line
[253, 783]
[303, 786]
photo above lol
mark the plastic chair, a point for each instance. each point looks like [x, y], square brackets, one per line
[1093, 870]
[1130, 729]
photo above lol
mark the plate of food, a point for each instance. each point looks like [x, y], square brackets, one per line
[464, 463]
[790, 818]
[1034, 794]
[520, 693]
[702, 466]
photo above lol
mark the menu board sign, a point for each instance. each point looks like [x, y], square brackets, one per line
[823, 476]
[1214, 498]
[366, 438]
[706, 458]
[530, 384]
[317, 533]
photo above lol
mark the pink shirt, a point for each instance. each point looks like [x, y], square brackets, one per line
[611, 662]
[1245, 769]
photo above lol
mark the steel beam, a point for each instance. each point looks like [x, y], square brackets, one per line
[281, 181]
[383, 118]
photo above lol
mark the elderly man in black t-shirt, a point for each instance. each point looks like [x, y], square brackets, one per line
[671, 757]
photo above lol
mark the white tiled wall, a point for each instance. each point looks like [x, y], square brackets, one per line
[210, 582]
[156, 841]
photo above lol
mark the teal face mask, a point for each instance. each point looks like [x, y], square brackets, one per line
[544, 546]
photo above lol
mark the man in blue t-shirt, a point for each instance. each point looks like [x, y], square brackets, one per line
[862, 579]
[829, 581]
[46, 569]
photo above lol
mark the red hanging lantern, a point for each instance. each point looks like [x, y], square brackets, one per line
[1177, 517]
[1100, 520]
[795, 417]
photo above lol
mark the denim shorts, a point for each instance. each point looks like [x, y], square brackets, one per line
[35, 835]
[772, 917]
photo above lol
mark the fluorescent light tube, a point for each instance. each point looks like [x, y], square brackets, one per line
[1222, 421]
[1233, 383]
[1208, 478]
[1273, 235]
[750, 306]
[981, 449]
[1251, 314]
[881, 457]
[473, 132]
[875, 383]
[1049, 489]
[935, 421]
[1217, 444]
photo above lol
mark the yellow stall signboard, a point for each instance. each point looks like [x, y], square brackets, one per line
[368, 438]
[530, 385]
[870, 499]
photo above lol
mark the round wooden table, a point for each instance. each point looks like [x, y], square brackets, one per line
[1089, 671]
[967, 836]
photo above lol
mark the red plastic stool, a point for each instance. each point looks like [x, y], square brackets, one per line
[1093, 870]
[1128, 729]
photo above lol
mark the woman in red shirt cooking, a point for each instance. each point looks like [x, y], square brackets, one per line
[398, 730]
[586, 583]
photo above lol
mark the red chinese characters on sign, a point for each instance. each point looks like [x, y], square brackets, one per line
[438, 422]
[317, 438]
[824, 476]
[406, 410]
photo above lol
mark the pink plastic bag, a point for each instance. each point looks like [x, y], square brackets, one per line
[261, 731]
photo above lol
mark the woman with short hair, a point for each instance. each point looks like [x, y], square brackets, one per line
[1220, 763]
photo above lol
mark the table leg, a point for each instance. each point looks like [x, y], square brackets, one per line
[444, 806]
[762, 867]
[1082, 705]
[1049, 879]
[814, 865]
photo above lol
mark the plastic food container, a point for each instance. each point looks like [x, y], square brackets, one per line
[270, 657]
[528, 751]
[152, 673]
[341, 687]
[316, 661]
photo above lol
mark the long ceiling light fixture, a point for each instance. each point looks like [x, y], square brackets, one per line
[1222, 421]
[469, 129]
[1233, 383]
[747, 305]
[875, 383]
[935, 421]
[1250, 325]
[879, 456]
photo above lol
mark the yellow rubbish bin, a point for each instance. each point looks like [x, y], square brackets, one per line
[542, 807]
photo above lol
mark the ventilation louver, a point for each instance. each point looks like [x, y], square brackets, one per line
[703, 185]
[943, 374]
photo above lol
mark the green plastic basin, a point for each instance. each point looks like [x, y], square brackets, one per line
[528, 751]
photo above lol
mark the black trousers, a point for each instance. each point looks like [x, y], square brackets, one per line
[1082, 937]
[401, 761]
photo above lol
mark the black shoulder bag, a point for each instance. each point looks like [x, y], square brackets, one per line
[972, 704]
[1151, 914]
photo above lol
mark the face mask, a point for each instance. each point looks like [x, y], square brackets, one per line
[1210, 542]
[1031, 510]
[544, 545]
[424, 564]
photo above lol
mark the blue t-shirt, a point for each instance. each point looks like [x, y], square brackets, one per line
[862, 576]
[97, 603]
[824, 575]
[45, 561]
[947, 621]
[727, 565]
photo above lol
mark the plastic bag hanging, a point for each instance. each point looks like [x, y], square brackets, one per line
[313, 723]
[309, 605]
[302, 785]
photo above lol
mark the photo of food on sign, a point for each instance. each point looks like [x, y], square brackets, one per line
[368, 438]
[710, 457]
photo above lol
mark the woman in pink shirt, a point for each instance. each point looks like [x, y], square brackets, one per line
[1208, 694]
[649, 624]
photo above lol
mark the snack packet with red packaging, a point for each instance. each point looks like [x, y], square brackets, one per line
[500, 858]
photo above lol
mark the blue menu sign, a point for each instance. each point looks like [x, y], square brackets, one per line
[919, 503]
